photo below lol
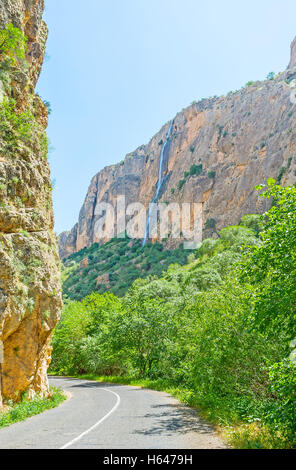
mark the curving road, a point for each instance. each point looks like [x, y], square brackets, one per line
[109, 416]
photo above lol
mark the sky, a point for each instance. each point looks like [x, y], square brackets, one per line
[117, 70]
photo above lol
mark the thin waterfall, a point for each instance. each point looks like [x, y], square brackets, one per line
[160, 181]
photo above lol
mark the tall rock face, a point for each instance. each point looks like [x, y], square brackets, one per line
[240, 140]
[292, 63]
[30, 292]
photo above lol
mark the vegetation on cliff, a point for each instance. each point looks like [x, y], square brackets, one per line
[13, 45]
[218, 331]
[115, 265]
[30, 292]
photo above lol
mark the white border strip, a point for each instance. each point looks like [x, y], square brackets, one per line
[66, 446]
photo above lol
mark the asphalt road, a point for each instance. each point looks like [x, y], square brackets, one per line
[108, 416]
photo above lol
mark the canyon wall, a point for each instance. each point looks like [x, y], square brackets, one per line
[238, 141]
[30, 292]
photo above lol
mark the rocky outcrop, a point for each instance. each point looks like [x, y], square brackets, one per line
[30, 293]
[238, 140]
[292, 63]
[67, 240]
[103, 280]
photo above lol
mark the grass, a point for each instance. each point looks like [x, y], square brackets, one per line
[27, 408]
[255, 436]
[217, 412]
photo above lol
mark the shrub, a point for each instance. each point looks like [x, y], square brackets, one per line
[254, 222]
[210, 224]
[203, 278]
[15, 126]
[12, 44]
[272, 265]
[283, 383]
[228, 357]
[67, 337]
[208, 247]
[48, 105]
[195, 170]
[281, 174]
[181, 184]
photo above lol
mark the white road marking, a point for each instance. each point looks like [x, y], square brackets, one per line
[66, 446]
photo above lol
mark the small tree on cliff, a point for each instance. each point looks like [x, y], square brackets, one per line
[13, 44]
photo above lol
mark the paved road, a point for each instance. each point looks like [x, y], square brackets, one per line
[106, 416]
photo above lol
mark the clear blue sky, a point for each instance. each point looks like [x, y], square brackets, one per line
[119, 69]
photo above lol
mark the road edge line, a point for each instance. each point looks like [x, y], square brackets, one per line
[69, 444]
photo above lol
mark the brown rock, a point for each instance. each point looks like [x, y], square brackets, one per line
[104, 280]
[30, 291]
[293, 55]
[84, 263]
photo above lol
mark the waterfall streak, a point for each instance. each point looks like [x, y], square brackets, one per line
[160, 182]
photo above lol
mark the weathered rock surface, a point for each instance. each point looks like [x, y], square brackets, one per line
[30, 292]
[103, 280]
[240, 140]
[293, 55]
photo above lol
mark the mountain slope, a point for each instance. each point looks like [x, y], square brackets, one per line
[115, 265]
[238, 141]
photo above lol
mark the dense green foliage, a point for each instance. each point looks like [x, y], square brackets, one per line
[220, 328]
[15, 127]
[18, 128]
[13, 44]
[27, 408]
[122, 260]
[195, 170]
[271, 268]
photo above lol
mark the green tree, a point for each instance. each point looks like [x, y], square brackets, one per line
[67, 336]
[15, 127]
[195, 170]
[13, 44]
[271, 267]
[227, 358]
[102, 311]
[253, 221]
[145, 329]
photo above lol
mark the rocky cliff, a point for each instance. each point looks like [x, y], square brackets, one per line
[237, 141]
[30, 294]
